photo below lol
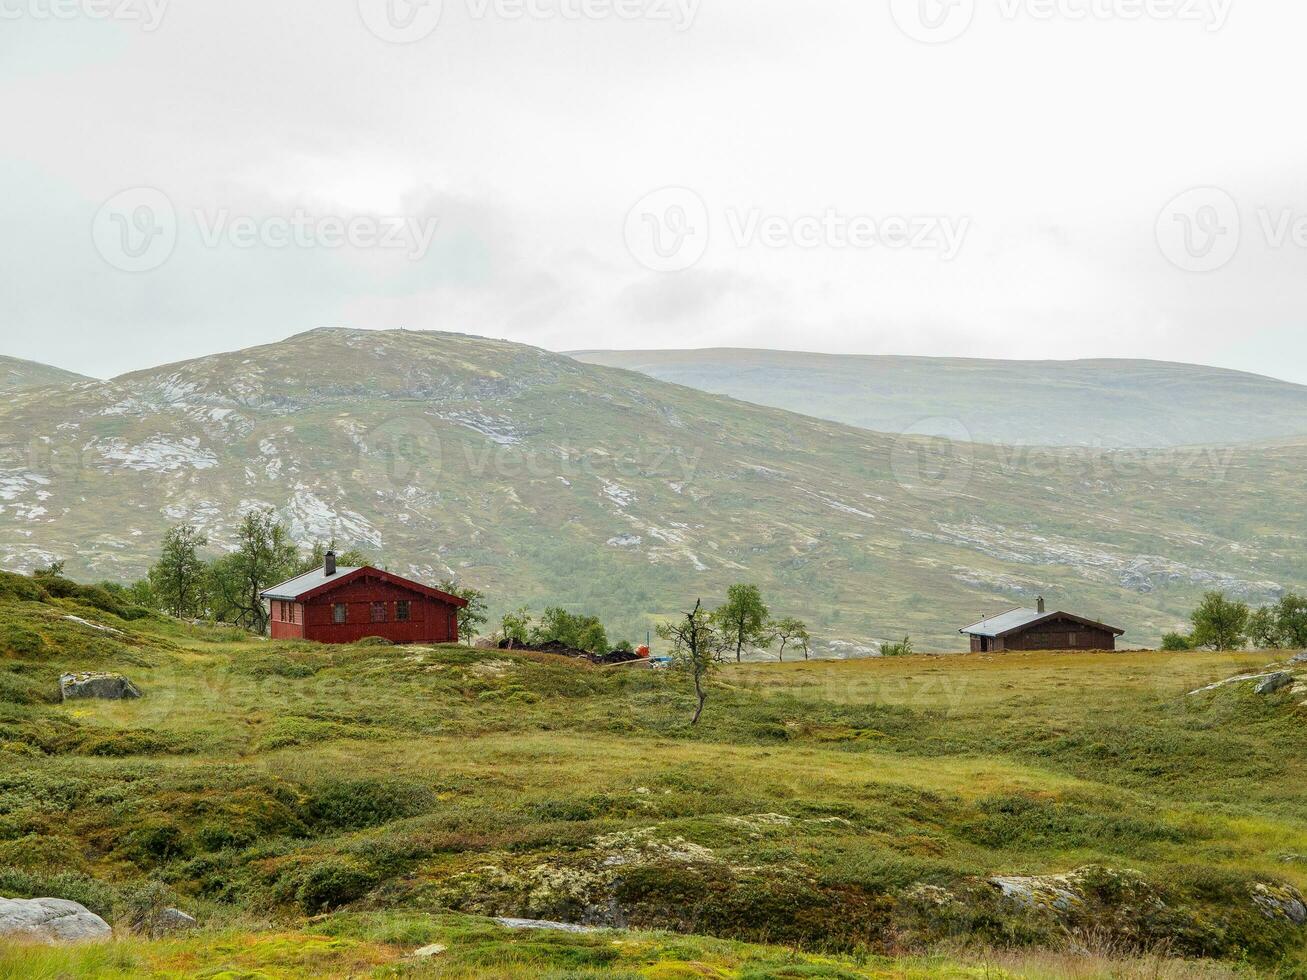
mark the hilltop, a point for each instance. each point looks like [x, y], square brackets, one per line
[1102, 403]
[17, 374]
[542, 480]
[329, 810]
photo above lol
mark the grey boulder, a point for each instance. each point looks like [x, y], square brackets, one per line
[1275, 682]
[1281, 902]
[165, 922]
[52, 921]
[108, 687]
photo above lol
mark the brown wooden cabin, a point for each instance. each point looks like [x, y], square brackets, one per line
[345, 605]
[1036, 629]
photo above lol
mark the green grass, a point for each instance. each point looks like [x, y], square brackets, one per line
[404, 792]
[382, 944]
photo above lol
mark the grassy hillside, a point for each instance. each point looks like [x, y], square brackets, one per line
[17, 374]
[541, 480]
[1103, 403]
[330, 810]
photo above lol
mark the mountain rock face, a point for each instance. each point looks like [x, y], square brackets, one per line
[17, 374]
[1104, 403]
[543, 480]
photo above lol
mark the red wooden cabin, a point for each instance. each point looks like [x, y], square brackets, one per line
[345, 605]
[1037, 629]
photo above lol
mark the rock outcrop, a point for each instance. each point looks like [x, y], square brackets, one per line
[1281, 902]
[108, 687]
[1275, 682]
[52, 921]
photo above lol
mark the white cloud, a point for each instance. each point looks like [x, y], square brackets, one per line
[530, 140]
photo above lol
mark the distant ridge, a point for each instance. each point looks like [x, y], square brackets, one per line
[1107, 403]
[17, 374]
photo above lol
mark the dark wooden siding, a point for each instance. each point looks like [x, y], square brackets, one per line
[1059, 634]
[430, 620]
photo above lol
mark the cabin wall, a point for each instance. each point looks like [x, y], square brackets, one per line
[1062, 634]
[286, 620]
[431, 621]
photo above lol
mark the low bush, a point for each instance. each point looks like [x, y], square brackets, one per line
[92, 595]
[331, 884]
[17, 641]
[73, 886]
[22, 588]
[19, 689]
[352, 804]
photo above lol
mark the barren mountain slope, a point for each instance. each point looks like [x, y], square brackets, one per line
[544, 480]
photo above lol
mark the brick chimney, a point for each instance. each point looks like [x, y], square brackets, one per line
[1039, 606]
[330, 569]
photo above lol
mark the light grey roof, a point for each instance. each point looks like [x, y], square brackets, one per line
[1010, 620]
[296, 587]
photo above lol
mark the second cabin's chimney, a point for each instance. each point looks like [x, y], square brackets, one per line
[1039, 606]
[331, 570]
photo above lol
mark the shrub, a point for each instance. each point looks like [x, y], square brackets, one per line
[156, 841]
[354, 804]
[22, 588]
[903, 649]
[20, 642]
[142, 908]
[71, 886]
[1176, 642]
[332, 884]
[92, 595]
[274, 666]
[25, 690]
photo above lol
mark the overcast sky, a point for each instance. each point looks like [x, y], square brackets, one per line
[995, 178]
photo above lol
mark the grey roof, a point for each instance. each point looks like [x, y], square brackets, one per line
[1010, 620]
[296, 587]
